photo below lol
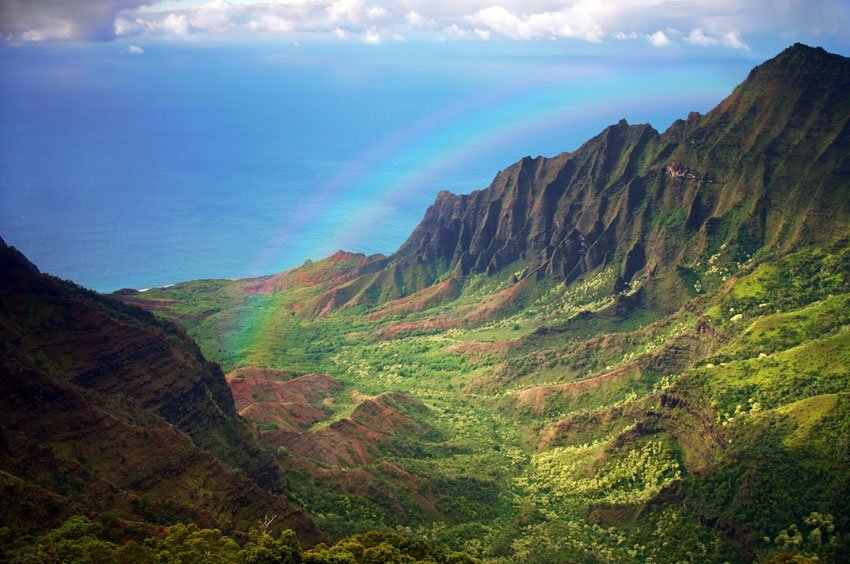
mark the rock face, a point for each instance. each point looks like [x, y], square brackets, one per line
[769, 167]
[106, 409]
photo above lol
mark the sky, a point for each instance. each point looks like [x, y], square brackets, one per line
[733, 24]
[146, 143]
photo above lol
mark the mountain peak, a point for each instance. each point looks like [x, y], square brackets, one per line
[610, 202]
[13, 261]
[801, 50]
[799, 66]
[806, 58]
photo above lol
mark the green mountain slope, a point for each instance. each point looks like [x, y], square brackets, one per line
[109, 411]
[633, 352]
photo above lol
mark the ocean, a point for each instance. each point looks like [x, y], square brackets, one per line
[234, 159]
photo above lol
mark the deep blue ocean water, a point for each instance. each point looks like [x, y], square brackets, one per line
[231, 160]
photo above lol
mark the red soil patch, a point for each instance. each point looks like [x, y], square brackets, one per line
[275, 397]
[165, 306]
[147, 304]
[474, 314]
[422, 325]
[536, 397]
[419, 301]
[338, 268]
[314, 387]
[494, 302]
[351, 441]
[574, 429]
[344, 443]
[476, 351]
[362, 482]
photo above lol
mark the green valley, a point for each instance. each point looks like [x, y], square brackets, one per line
[570, 424]
[635, 352]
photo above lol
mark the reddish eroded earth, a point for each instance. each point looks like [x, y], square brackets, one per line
[276, 398]
[421, 300]
[333, 271]
[479, 350]
[287, 406]
[462, 316]
[536, 398]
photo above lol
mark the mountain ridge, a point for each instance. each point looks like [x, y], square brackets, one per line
[618, 198]
[107, 409]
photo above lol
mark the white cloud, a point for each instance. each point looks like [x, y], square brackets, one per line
[417, 20]
[134, 50]
[658, 39]
[622, 35]
[535, 25]
[698, 37]
[501, 21]
[582, 19]
[271, 22]
[377, 13]
[455, 31]
[339, 32]
[482, 33]
[61, 31]
[60, 20]
[176, 24]
[719, 23]
[349, 11]
[371, 37]
[732, 39]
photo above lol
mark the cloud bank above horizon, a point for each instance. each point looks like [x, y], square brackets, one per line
[658, 23]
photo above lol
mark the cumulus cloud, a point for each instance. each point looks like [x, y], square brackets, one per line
[346, 11]
[720, 23]
[621, 35]
[58, 20]
[729, 39]
[571, 22]
[732, 39]
[482, 33]
[371, 37]
[176, 24]
[377, 13]
[134, 50]
[698, 37]
[455, 30]
[415, 19]
[658, 39]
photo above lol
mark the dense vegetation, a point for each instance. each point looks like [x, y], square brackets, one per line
[662, 376]
[572, 424]
[81, 540]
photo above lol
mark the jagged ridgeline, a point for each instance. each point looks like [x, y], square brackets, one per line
[767, 168]
[638, 351]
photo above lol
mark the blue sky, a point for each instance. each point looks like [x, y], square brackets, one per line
[143, 144]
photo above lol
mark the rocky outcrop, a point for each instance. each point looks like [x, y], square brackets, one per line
[769, 167]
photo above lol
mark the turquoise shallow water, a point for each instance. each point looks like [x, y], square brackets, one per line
[211, 161]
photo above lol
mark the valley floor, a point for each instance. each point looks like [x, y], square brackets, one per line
[522, 420]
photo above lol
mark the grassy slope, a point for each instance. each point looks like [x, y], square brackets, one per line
[705, 434]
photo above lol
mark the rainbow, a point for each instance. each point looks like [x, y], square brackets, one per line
[418, 157]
